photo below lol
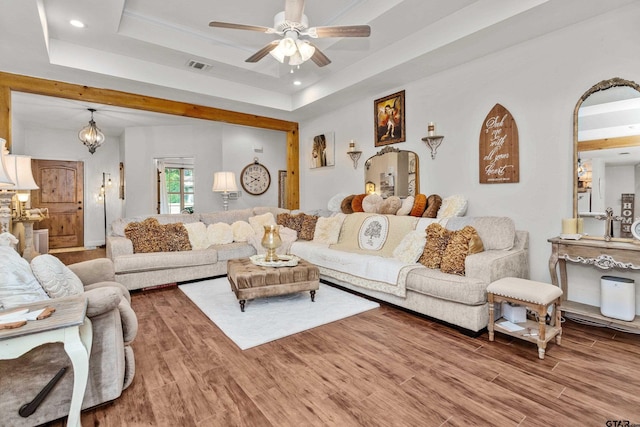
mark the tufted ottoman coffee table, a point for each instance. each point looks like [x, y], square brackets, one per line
[249, 281]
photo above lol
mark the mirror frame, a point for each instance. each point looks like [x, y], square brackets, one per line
[390, 149]
[19, 83]
[603, 85]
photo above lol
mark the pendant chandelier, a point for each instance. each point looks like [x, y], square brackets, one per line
[91, 135]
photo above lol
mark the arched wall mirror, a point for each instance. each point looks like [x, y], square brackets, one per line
[392, 172]
[606, 156]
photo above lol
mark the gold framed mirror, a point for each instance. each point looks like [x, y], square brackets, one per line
[606, 154]
[392, 172]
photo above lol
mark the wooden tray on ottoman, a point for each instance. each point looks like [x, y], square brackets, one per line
[249, 281]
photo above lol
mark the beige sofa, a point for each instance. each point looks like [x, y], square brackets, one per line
[142, 270]
[454, 299]
[111, 363]
[457, 300]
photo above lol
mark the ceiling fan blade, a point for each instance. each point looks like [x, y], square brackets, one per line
[262, 52]
[340, 31]
[293, 10]
[320, 58]
[232, 26]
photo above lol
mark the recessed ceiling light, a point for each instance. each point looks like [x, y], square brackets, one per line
[297, 82]
[77, 24]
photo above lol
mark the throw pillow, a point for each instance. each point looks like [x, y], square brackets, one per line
[197, 232]
[18, 285]
[356, 203]
[259, 221]
[437, 241]
[293, 222]
[457, 250]
[328, 229]
[411, 247]
[335, 203]
[219, 233]
[419, 205]
[433, 206]
[407, 205]
[455, 205]
[308, 227]
[475, 244]
[391, 205]
[371, 203]
[150, 236]
[345, 206]
[56, 278]
[241, 231]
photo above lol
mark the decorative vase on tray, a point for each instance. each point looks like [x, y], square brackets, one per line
[271, 241]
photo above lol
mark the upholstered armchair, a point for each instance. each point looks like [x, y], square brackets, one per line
[111, 363]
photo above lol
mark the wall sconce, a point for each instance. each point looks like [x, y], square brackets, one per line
[224, 182]
[432, 140]
[353, 153]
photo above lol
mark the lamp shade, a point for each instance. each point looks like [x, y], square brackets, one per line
[19, 168]
[5, 179]
[224, 181]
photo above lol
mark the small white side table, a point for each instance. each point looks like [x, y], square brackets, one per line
[67, 325]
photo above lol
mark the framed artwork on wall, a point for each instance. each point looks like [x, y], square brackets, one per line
[388, 118]
[323, 150]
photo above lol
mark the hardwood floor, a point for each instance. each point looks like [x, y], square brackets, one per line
[384, 367]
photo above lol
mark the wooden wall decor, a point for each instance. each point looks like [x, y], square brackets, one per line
[628, 217]
[499, 153]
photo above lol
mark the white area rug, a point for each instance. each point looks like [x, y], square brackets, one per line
[268, 319]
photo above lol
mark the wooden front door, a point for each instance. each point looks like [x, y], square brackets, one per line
[62, 192]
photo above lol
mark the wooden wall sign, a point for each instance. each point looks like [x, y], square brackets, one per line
[499, 155]
[627, 210]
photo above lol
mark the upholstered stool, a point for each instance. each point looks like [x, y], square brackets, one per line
[249, 281]
[536, 296]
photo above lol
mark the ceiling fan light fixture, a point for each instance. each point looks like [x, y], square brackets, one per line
[305, 49]
[295, 59]
[277, 53]
[91, 135]
[288, 46]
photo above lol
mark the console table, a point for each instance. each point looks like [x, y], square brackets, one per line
[599, 253]
[68, 325]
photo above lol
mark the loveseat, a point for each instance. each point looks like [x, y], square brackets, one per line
[334, 244]
[114, 325]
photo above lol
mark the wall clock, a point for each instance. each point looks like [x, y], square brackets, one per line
[635, 229]
[255, 178]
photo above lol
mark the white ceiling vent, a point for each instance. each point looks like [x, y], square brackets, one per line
[197, 65]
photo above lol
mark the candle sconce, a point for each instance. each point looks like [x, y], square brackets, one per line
[433, 142]
[354, 154]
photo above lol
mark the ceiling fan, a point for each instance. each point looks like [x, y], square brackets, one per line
[292, 23]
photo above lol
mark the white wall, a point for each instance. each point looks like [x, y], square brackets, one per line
[539, 82]
[238, 151]
[214, 147]
[51, 144]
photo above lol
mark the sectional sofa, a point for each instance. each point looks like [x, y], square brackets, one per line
[341, 248]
